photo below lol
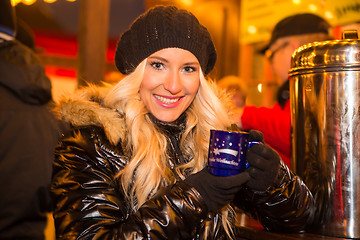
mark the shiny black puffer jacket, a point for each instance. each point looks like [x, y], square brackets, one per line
[89, 203]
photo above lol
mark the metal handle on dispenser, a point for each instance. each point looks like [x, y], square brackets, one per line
[350, 34]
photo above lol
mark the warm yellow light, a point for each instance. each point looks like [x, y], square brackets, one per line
[313, 7]
[252, 29]
[296, 2]
[259, 87]
[28, 2]
[187, 2]
[329, 15]
[15, 2]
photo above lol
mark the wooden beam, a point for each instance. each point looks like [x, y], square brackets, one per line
[93, 37]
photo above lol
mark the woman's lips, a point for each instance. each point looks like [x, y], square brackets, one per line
[167, 101]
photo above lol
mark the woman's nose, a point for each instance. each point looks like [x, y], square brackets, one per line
[173, 82]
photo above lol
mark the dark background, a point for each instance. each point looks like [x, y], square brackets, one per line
[63, 16]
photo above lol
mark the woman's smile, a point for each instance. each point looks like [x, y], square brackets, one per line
[168, 101]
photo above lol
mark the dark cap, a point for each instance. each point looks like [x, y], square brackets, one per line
[298, 24]
[164, 27]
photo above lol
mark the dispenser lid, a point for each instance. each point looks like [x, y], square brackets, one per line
[340, 54]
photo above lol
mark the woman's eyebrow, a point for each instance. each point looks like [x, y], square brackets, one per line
[159, 58]
[162, 59]
[191, 63]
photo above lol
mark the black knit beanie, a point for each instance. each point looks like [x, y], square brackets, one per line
[164, 27]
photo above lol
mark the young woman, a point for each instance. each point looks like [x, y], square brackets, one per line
[134, 166]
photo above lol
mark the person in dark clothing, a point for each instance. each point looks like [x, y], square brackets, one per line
[134, 165]
[275, 123]
[29, 133]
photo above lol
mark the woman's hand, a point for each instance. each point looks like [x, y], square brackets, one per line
[264, 164]
[217, 191]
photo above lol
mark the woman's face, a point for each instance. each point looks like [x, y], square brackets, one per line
[171, 81]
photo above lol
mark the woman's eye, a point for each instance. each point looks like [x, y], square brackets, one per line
[157, 65]
[189, 69]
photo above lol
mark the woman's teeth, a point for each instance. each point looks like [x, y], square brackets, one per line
[166, 100]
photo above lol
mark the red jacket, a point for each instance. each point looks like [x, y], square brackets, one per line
[274, 123]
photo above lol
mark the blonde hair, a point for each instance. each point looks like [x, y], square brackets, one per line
[147, 169]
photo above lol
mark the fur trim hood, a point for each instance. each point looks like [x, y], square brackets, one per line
[84, 108]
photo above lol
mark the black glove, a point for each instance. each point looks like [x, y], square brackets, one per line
[264, 164]
[256, 136]
[217, 191]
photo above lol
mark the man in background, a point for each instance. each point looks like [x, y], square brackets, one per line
[236, 87]
[288, 35]
[28, 135]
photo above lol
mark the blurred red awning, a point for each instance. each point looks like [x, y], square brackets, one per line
[60, 52]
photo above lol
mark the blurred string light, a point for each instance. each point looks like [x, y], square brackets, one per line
[329, 15]
[252, 29]
[187, 3]
[29, 2]
[313, 7]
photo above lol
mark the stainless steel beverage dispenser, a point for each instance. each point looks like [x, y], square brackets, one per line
[325, 115]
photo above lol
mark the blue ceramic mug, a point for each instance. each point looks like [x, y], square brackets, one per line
[227, 152]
